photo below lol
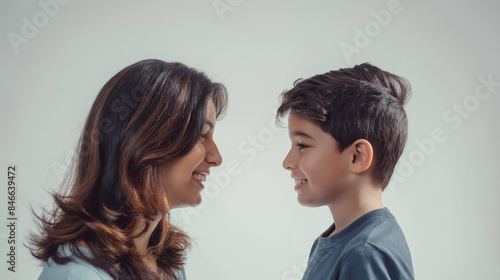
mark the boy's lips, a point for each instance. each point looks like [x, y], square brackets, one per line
[299, 183]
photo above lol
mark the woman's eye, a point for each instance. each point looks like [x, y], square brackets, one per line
[204, 136]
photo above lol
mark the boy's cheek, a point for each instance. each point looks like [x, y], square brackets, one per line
[309, 166]
[320, 186]
[318, 181]
[315, 173]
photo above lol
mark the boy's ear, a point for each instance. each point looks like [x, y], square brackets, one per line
[361, 156]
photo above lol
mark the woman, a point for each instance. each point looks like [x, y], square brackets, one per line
[146, 147]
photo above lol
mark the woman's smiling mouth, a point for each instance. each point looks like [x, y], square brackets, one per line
[199, 178]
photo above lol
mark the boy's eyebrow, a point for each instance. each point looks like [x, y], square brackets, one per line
[300, 133]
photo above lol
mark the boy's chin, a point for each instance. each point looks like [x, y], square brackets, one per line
[308, 202]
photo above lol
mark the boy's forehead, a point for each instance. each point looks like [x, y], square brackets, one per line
[298, 120]
[300, 126]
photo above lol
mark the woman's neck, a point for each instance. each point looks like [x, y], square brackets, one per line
[141, 242]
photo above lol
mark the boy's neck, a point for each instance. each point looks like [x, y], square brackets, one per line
[351, 206]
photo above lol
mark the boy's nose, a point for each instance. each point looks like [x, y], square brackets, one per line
[288, 162]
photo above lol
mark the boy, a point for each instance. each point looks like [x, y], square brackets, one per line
[348, 129]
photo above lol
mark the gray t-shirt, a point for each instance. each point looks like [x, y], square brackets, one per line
[78, 269]
[372, 247]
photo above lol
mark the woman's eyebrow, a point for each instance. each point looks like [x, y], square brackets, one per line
[210, 124]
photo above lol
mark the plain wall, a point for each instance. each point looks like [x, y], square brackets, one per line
[250, 225]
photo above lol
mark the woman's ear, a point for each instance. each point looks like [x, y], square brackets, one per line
[361, 156]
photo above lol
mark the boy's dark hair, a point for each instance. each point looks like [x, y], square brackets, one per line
[363, 102]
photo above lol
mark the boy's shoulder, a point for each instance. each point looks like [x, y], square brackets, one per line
[372, 247]
[377, 228]
[369, 261]
[376, 234]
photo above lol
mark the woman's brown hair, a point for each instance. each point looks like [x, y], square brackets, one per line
[146, 115]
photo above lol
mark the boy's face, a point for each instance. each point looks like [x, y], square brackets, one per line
[319, 169]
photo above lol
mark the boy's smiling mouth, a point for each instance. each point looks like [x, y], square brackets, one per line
[299, 183]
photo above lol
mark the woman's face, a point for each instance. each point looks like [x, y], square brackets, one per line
[185, 175]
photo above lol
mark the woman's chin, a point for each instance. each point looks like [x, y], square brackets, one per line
[194, 201]
[197, 201]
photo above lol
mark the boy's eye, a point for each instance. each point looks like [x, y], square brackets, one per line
[302, 146]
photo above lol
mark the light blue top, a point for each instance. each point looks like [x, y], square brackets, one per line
[78, 269]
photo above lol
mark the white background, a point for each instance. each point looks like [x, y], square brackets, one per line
[252, 227]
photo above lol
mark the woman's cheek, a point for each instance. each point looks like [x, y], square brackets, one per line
[197, 154]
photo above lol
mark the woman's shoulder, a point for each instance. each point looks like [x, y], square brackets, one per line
[181, 274]
[73, 270]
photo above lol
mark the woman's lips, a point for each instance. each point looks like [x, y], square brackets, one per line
[199, 178]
